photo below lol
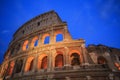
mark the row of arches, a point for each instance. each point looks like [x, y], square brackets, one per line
[33, 43]
[42, 62]
[45, 40]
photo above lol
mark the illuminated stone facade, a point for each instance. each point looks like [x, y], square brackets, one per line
[43, 49]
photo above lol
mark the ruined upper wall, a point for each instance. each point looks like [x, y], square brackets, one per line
[47, 19]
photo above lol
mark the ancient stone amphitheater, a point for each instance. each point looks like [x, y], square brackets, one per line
[43, 49]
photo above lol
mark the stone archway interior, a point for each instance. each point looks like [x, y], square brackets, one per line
[75, 59]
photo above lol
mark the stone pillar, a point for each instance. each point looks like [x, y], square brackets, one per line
[67, 35]
[30, 44]
[23, 67]
[6, 72]
[49, 61]
[52, 37]
[14, 68]
[35, 63]
[66, 57]
[53, 51]
[110, 61]
[85, 56]
[40, 40]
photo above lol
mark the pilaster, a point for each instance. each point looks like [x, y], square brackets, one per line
[52, 37]
[85, 58]
[40, 40]
[49, 61]
[35, 63]
[23, 67]
[66, 56]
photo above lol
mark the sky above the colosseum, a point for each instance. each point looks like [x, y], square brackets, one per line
[96, 21]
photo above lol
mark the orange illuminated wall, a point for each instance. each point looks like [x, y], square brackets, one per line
[42, 62]
[29, 64]
[25, 45]
[11, 67]
[33, 41]
[59, 60]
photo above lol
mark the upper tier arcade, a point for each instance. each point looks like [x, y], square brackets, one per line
[37, 30]
[38, 23]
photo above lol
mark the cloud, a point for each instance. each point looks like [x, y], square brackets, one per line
[5, 31]
[107, 9]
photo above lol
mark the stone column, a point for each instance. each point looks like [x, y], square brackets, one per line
[40, 40]
[6, 72]
[52, 37]
[53, 51]
[14, 68]
[35, 63]
[23, 67]
[30, 44]
[66, 57]
[84, 52]
[67, 35]
[49, 61]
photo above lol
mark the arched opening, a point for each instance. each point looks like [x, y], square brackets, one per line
[34, 42]
[101, 60]
[59, 61]
[72, 57]
[75, 59]
[29, 64]
[25, 45]
[19, 65]
[12, 51]
[44, 63]
[47, 40]
[11, 66]
[18, 47]
[59, 37]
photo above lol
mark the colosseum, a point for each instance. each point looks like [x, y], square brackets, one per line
[43, 49]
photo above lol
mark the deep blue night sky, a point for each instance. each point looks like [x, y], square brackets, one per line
[96, 21]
